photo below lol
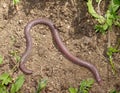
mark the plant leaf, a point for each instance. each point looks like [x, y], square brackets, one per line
[1, 59]
[3, 89]
[15, 1]
[42, 84]
[73, 90]
[18, 84]
[112, 50]
[92, 11]
[15, 55]
[97, 1]
[5, 78]
[85, 85]
[101, 28]
[117, 2]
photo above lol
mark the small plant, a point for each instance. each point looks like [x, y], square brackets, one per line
[105, 23]
[73, 90]
[8, 85]
[114, 91]
[85, 85]
[17, 84]
[111, 17]
[41, 85]
[15, 2]
[15, 55]
[1, 59]
[110, 52]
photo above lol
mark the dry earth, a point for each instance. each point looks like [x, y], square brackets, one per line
[76, 28]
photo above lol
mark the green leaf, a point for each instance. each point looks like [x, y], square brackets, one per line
[18, 84]
[5, 78]
[85, 85]
[101, 28]
[1, 59]
[117, 21]
[112, 50]
[113, 91]
[42, 84]
[3, 89]
[97, 1]
[114, 6]
[92, 11]
[15, 55]
[16, 1]
[17, 58]
[111, 16]
[116, 2]
[12, 90]
[73, 90]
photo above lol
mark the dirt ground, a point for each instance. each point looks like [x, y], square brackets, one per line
[76, 28]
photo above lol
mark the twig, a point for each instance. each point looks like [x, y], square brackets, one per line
[99, 7]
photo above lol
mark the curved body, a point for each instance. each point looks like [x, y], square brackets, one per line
[60, 45]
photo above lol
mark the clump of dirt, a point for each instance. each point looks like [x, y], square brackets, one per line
[76, 28]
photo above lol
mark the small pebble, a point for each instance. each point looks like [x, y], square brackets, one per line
[44, 35]
[61, 57]
[68, 27]
[67, 42]
[50, 88]
[4, 5]
[20, 21]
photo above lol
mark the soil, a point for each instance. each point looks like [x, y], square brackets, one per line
[76, 28]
